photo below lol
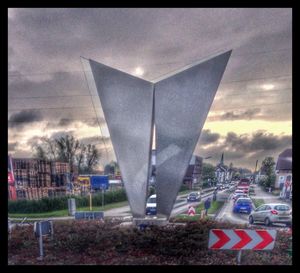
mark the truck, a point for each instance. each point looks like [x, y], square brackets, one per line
[244, 182]
[99, 182]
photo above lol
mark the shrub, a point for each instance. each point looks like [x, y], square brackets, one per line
[184, 187]
[60, 203]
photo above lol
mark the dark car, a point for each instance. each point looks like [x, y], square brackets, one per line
[194, 197]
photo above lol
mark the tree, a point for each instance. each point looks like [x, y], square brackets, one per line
[80, 157]
[68, 149]
[268, 167]
[208, 172]
[92, 157]
[47, 150]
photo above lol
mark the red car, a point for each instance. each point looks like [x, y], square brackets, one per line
[245, 189]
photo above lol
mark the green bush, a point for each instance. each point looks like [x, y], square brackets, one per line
[60, 203]
[184, 187]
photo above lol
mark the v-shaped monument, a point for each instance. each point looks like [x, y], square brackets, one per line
[178, 106]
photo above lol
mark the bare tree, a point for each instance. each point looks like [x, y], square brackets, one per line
[92, 157]
[80, 157]
[68, 149]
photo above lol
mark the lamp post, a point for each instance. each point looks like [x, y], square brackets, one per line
[201, 172]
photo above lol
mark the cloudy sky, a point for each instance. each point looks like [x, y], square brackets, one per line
[48, 95]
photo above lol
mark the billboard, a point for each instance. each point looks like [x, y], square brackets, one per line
[84, 180]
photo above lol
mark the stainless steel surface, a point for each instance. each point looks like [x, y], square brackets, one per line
[127, 103]
[178, 107]
[182, 103]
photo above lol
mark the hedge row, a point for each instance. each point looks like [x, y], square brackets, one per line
[60, 203]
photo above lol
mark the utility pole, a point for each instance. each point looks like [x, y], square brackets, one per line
[255, 170]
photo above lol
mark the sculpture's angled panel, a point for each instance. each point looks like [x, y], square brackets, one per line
[182, 103]
[127, 104]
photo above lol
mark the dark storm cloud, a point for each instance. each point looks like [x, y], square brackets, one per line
[24, 117]
[60, 134]
[257, 142]
[64, 122]
[60, 36]
[244, 150]
[12, 146]
[94, 140]
[49, 42]
[248, 114]
[237, 115]
[208, 137]
[56, 84]
[33, 141]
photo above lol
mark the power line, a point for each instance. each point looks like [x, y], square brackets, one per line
[82, 64]
[76, 95]
[80, 71]
[250, 93]
[67, 119]
[50, 108]
[246, 108]
[234, 108]
[256, 79]
[46, 97]
[84, 107]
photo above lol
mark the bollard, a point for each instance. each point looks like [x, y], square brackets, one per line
[71, 206]
[40, 243]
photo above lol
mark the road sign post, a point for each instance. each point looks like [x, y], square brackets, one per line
[239, 257]
[241, 239]
[41, 229]
[41, 243]
[102, 197]
[90, 201]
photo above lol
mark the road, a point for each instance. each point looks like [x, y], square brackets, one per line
[180, 206]
[226, 214]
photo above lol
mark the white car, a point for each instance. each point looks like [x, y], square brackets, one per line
[151, 205]
[237, 194]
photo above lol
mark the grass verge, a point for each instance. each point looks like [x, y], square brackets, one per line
[215, 206]
[62, 213]
[258, 202]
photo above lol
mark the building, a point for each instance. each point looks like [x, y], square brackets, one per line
[222, 172]
[283, 172]
[194, 171]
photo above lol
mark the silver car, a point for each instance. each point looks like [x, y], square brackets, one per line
[272, 213]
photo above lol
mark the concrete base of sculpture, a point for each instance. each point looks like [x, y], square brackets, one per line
[150, 221]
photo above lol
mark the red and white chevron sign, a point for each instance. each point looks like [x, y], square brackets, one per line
[237, 239]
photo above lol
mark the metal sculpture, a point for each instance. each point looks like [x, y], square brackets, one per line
[177, 104]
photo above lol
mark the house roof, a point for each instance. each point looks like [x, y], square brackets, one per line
[284, 161]
[221, 167]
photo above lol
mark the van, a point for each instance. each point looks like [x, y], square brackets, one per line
[151, 205]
